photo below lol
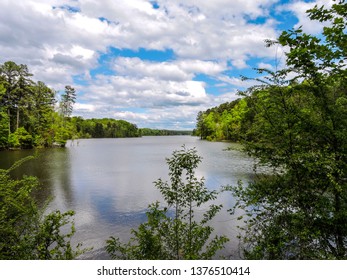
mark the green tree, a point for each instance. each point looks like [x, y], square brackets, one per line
[41, 108]
[299, 210]
[28, 106]
[173, 232]
[3, 119]
[26, 233]
[16, 80]
[98, 130]
[20, 139]
[224, 122]
[68, 99]
[22, 93]
[9, 76]
[200, 125]
[3, 130]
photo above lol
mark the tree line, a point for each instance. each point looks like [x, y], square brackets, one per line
[163, 132]
[103, 128]
[32, 116]
[228, 121]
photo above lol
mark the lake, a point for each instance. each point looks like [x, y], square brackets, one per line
[109, 182]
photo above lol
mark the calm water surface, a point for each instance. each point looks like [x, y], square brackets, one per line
[109, 182]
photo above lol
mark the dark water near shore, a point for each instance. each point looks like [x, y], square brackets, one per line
[109, 182]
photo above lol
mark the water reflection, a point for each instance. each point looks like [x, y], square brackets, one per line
[109, 182]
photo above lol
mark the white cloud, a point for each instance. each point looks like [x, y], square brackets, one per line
[136, 67]
[144, 92]
[85, 107]
[267, 66]
[204, 32]
[226, 97]
[179, 70]
[63, 39]
[238, 82]
[299, 8]
[203, 67]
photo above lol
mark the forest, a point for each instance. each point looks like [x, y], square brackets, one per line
[163, 132]
[227, 121]
[31, 115]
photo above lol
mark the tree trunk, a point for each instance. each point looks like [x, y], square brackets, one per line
[17, 124]
[9, 121]
[340, 247]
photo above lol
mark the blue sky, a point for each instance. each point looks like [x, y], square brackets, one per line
[153, 63]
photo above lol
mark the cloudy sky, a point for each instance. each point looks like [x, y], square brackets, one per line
[153, 63]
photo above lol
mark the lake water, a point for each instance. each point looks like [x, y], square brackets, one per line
[109, 182]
